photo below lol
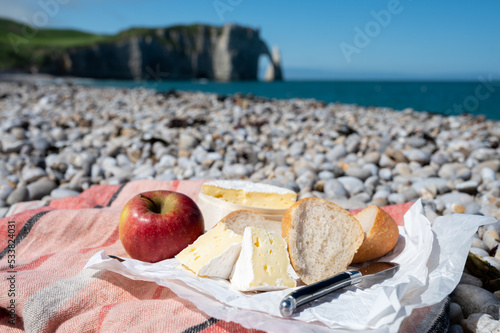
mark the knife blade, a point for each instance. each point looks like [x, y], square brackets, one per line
[365, 276]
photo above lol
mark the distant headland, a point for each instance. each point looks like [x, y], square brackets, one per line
[182, 52]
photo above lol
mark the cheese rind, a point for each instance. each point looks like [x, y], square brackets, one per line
[263, 263]
[213, 254]
[251, 194]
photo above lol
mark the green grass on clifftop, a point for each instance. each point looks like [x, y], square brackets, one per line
[22, 47]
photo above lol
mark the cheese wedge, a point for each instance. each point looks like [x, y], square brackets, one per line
[263, 263]
[213, 254]
[251, 194]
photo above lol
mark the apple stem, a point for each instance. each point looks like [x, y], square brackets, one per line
[155, 207]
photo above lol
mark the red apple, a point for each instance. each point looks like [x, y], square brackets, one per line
[157, 225]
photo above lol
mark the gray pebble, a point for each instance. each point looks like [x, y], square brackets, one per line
[60, 193]
[40, 188]
[386, 162]
[361, 197]
[488, 175]
[41, 144]
[333, 188]
[20, 194]
[370, 167]
[470, 187]
[358, 172]
[447, 171]
[418, 155]
[396, 155]
[470, 279]
[167, 161]
[297, 148]
[3, 211]
[33, 174]
[306, 180]
[433, 184]
[385, 174]
[402, 169]
[349, 203]
[456, 314]
[491, 164]
[12, 146]
[336, 153]
[325, 175]
[372, 157]
[396, 199]
[484, 154]
[18, 133]
[440, 158]
[58, 134]
[371, 183]
[5, 191]
[352, 185]
[187, 141]
[352, 143]
[448, 199]
[474, 299]
[409, 193]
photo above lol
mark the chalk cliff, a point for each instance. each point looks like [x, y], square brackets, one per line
[223, 53]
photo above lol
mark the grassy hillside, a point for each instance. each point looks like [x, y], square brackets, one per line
[21, 49]
[21, 46]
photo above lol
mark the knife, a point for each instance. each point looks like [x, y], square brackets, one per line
[367, 276]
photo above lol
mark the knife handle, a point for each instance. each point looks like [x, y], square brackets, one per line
[314, 291]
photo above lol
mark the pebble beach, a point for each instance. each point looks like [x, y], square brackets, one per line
[58, 140]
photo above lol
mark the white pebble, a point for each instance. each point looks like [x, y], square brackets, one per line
[490, 238]
[482, 323]
[492, 261]
[493, 226]
[477, 242]
[480, 252]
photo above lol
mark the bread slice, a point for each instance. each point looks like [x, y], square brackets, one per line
[322, 238]
[238, 220]
[381, 233]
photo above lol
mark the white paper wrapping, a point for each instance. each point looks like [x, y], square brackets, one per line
[431, 263]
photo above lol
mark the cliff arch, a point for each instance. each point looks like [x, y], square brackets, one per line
[228, 53]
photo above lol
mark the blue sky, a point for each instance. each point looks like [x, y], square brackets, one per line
[364, 39]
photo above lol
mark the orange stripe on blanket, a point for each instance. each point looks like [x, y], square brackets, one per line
[102, 314]
[19, 222]
[158, 291]
[175, 185]
[35, 263]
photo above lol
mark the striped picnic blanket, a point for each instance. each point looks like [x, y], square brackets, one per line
[44, 288]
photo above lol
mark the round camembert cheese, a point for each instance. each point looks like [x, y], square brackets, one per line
[250, 194]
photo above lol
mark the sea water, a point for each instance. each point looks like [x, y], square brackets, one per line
[480, 97]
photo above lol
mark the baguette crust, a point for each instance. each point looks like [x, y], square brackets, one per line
[381, 234]
[322, 238]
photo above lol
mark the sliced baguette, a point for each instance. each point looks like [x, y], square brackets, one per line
[381, 233]
[322, 238]
[238, 220]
